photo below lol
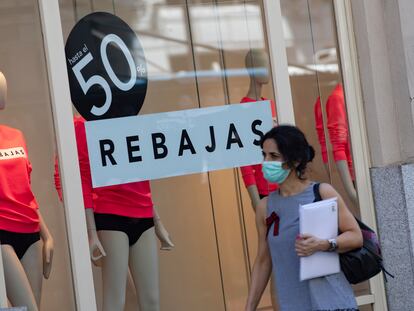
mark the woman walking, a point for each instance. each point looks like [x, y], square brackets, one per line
[286, 154]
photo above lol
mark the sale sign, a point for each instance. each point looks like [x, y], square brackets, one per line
[106, 67]
[176, 143]
[108, 83]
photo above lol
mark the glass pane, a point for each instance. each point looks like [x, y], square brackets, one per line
[318, 95]
[27, 158]
[196, 54]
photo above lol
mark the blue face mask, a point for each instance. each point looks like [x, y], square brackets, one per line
[274, 172]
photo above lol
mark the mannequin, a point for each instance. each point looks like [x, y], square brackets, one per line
[257, 64]
[23, 233]
[120, 221]
[337, 124]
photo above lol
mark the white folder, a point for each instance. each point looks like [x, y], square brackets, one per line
[319, 219]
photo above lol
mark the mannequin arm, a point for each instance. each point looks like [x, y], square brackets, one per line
[48, 247]
[254, 195]
[343, 169]
[162, 233]
[95, 247]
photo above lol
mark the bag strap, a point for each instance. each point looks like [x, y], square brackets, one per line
[385, 273]
[316, 192]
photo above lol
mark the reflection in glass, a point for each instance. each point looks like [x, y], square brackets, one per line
[318, 95]
[195, 52]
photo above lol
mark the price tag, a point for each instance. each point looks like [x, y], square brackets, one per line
[106, 68]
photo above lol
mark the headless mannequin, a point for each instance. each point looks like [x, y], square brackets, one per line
[24, 277]
[256, 59]
[110, 249]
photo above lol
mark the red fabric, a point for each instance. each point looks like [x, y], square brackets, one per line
[337, 124]
[131, 200]
[58, 184]
[272, 104]
[273, 219]
[18, 206]
[252, 174]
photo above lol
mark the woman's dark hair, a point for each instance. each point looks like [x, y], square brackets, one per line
[293, 146]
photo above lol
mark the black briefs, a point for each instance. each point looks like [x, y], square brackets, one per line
[261, 196]
[19, 241]
[132, 227]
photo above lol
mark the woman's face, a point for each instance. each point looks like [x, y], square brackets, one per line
[270, 151]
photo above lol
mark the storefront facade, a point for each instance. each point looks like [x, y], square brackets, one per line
[196, 58]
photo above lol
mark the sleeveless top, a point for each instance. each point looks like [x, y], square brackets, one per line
[329, 293]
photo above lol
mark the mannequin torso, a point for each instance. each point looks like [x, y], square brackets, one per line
[21, 225]
[121, 231]
[337, 125]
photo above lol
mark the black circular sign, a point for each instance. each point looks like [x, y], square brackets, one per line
[106, 67]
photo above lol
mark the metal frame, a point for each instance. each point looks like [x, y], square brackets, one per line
[68, 158]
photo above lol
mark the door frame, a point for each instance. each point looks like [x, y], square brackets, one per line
[68, 159]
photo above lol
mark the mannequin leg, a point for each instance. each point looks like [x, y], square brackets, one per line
[143, 263]
[114, 269]
[18, 287]
[32, 264]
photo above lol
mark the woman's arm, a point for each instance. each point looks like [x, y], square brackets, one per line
[350, 237]
[263, 265]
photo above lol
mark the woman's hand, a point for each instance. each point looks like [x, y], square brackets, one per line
[307, 245]
[95, 248]
[48, 246]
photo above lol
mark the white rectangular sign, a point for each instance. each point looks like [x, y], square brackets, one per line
[152, 146]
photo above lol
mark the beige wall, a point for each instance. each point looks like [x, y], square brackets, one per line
[385, 63]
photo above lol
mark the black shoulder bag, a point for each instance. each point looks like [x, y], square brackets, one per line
[363, 263]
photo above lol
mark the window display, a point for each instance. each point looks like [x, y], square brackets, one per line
[318, 97]
[186, 68]
[132, 63]
[33, 236]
